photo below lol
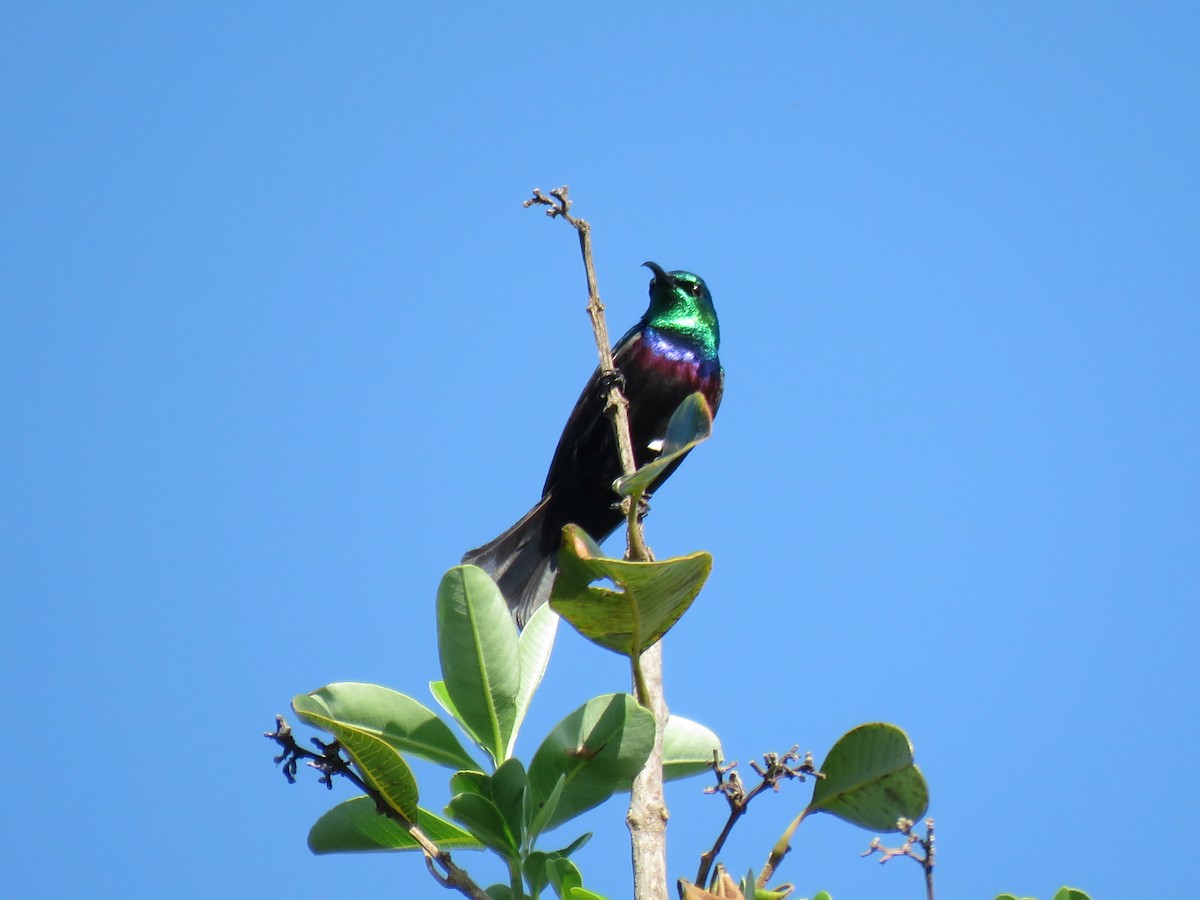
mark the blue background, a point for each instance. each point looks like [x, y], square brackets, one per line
[278, 343]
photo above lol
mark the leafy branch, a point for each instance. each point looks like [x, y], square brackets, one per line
[329, 762]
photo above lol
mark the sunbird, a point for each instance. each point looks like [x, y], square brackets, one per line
[668, 355]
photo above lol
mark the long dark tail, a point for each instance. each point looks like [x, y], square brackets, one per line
[522, 569]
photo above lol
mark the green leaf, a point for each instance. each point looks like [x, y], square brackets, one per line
[533, 647]
[477, 642]
[499, 892]
[542, 811]
[355, 826]
[534, 870]
[747, 885]
[690, 424]
[687, 748]
[438, 689]
[575, 844]
[870, 779]
[822, 895]
[482, 819]
[471, 782]
[379, 762]
[750, 888]
[398, 720]
[596, 750]
[534, 867]
[442, 696]
[649, 599]
[508, 793]
[579, 893]
[1067, 893]
[563, 875]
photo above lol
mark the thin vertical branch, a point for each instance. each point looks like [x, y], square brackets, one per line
[927, 862]
[559, 205]
[647, 815]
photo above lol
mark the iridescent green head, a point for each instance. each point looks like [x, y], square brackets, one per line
[681, 304]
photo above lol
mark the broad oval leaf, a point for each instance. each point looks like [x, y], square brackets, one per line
[690, 424]
[870, 779]
[596, 751]
[398, 720]
[356, 826]
[380, 764]
[649, 597]
[479, 816]
[477, 643]
[688, 748]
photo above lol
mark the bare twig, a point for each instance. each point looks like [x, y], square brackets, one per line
[329, 762]
[925, 857]
[647, 816]
[775, 768]
[558, 205]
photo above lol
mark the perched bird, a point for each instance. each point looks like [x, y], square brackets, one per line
[670, 354]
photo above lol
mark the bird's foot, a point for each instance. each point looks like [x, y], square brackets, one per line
[610, 380]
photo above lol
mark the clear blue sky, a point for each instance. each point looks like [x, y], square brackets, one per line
[278, 343]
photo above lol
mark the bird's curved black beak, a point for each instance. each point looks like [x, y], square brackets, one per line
[660, 274]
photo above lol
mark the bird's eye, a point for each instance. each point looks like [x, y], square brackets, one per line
[692, 287]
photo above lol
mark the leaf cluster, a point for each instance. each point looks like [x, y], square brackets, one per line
[490, 673]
